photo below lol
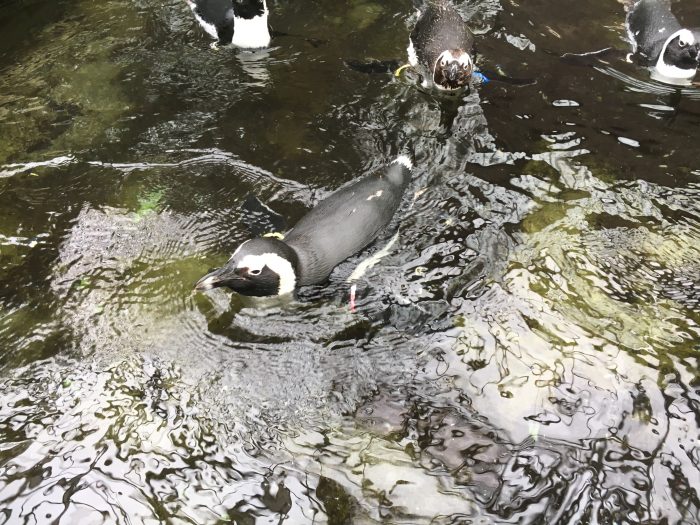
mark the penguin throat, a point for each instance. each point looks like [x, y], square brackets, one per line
[251, 33]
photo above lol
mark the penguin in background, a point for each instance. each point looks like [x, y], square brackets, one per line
[243, 23]
[660, 42]
[441, 51]
[441, 47]
[338, 227]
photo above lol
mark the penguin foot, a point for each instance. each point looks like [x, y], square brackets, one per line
[353, 291]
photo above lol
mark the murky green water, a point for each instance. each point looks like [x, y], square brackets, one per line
[527, 353]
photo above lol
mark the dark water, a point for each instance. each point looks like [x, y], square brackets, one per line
[527, 352]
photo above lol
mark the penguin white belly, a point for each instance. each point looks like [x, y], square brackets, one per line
[251, 33]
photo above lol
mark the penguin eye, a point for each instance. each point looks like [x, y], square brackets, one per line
[254, 272]
[682, 42]
[443, 62]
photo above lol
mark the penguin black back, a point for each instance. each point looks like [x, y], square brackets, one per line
[440, 46]
[347, 221]
[339, 226]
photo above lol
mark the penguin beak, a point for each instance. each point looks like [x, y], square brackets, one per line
[452, 74]
[220, 277]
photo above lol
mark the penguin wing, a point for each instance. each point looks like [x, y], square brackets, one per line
[649, 24]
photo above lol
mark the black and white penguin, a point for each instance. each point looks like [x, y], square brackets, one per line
[440, 47]
[242, 23]
[339, 226]
[660, 42]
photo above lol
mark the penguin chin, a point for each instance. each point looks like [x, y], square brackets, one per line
[673, 75]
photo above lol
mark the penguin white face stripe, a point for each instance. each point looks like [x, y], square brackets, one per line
[463, 60]
[687, 38]
[281, 266]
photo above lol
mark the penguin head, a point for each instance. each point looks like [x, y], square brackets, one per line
[259, 267]
[453, 69]
[680, 55]
[249, 9]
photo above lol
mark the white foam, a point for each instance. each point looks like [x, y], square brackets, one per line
[412, 57]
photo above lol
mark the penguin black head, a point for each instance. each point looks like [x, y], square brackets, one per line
[248, 9]
[680, 56]
[259, 267]
[453, 69]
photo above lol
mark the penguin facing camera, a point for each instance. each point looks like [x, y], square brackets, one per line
[659, 42]
[440, 50]
[440, 47]
[242, 23]
[338, 227]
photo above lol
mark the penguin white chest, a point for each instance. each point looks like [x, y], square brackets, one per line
[252, 32]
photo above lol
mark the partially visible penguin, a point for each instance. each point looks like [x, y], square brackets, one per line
[660, 42]
[339, 226]
[440, 47]
[242, 23]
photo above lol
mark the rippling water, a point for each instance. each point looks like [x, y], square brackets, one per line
[527, 352]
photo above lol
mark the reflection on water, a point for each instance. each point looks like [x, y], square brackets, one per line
[526, 352]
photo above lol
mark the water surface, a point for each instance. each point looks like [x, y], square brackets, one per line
[526, 353]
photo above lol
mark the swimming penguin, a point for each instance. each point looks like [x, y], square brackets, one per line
[440, 47]
[242, 23]
[660, 42]
[339, 226]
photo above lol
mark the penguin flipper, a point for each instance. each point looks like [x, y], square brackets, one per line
[373, 66]
[593, 58]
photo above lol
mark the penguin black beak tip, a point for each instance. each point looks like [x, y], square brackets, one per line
[208, 282]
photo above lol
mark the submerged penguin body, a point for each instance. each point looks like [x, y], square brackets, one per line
[440, 47]
[338, 227]
[660, 42]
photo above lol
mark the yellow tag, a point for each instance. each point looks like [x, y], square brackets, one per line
[275, 235]
[397, 73]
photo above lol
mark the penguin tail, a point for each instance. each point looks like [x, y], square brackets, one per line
[400, 169]
[405, 160]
